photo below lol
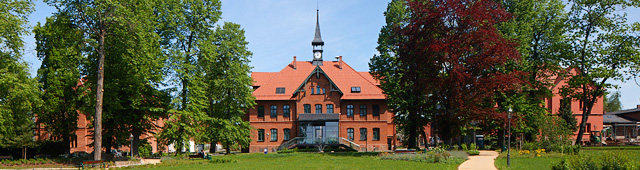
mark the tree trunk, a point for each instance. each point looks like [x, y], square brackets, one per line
[424, 137]
[501, 138]
[66, 139]
[213, 148]
[97, 144]
[587, 105]
[413, 132]
[135, 143]
[228, 147]
[108, 145]
[24, 152]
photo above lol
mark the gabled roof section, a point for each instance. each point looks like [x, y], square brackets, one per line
[291, 79]
[316, 72]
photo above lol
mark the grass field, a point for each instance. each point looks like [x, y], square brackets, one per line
[301, 161]
[528, 162]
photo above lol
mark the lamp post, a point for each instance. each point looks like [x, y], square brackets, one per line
[267, 143]
[131, 146]
[509, 142]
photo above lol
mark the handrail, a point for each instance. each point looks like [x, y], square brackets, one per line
[351, 144]
[310, 140]
[289, 143]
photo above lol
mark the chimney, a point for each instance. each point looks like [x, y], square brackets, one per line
[340, 62]
[294, 62]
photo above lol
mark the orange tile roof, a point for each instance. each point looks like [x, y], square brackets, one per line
[261, 77]
[369, 78]
[291, 79]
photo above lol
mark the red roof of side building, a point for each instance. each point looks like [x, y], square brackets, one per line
[292, 79]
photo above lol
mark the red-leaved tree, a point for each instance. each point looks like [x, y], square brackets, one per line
[461, 58]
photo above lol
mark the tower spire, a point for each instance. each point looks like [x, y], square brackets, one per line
[317, 40]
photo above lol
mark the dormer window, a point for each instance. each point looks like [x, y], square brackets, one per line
[355, 89]
[280, 90]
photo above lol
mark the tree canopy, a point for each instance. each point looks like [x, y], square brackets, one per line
[19, 94]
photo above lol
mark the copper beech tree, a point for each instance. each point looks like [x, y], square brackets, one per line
[461, 60]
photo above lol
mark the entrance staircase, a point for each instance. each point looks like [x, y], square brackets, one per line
[313, 142]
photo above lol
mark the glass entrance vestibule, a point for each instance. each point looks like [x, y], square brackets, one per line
[319, 132]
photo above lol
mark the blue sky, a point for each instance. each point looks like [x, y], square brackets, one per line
[278, 30]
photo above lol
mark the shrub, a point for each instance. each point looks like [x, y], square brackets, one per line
[530, 146]
[221, 161]
[464, 147]
[144, 148]
[473, 146]
[600, 160]
[570, 149]
[286, 150]
[430, 156]
[473, 152]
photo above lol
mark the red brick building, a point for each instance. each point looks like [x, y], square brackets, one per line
[312, 102]
[594, 123]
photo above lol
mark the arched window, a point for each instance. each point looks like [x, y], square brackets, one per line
[318, 89]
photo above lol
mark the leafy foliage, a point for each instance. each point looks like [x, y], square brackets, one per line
[539, 28]
[19, 95]
[60, 47]
[184, 27]
[565, 112]
[460, 57]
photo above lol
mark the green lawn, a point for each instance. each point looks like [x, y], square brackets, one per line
[300, 161]
[527, 162]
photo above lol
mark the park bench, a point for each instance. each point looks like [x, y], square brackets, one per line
[6, 158]
[408, 151]
[93, 163]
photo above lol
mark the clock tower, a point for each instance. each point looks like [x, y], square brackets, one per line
[317, 43]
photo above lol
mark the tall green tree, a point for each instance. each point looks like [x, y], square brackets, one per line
[612, 101]
[19, 94]
[185, 27]
[405, 99]
[59, 46]
[226, 68]
[601, 46]
[539, 27]
[124, 29]
[136, 73]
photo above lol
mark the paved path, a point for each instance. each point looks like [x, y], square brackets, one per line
[484, 161]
